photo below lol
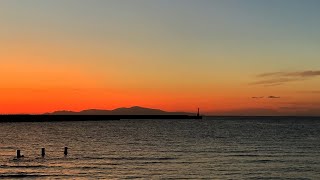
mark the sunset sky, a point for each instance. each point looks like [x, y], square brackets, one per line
[245, 57]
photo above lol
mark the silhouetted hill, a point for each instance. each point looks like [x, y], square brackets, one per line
[135, 110]
[62, 113]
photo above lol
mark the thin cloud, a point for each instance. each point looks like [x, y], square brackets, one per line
[290, 108]
[305, 74]
[279, 78]
[270, 74]
[304, 104]
[275, 81]
[291, 74]
[273, 97]
[268, 97]
[254, 97]
[310, 92]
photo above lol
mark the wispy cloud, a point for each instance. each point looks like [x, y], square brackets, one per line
[279, 78]
[291, 74]
[273, 97]
[310, 92]
[255, 97]
[269, 97]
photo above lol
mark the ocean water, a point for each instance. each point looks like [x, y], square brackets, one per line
[212, 148]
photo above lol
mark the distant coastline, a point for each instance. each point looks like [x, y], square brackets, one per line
[134, 112]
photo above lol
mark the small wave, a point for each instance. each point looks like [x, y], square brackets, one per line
[19, 176]
[244, 155]
[90, 168]
[266, 177]
[296, 169]
[262, 161]
[133, 177]
[8, 147]
[153, 162]
[132, 158]
[243, 152]
[189, 162]
[36, 166]
[28, 166]
[142, 158]
[93, 158]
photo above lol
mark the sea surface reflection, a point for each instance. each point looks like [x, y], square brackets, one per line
[212, 148]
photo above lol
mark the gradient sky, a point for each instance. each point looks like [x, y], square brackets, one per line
[220, 55]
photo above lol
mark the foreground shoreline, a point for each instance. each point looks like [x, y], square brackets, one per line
[59, 118]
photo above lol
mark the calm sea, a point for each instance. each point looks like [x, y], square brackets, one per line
[213, 148]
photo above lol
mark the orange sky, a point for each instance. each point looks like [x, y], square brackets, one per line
[213, 55]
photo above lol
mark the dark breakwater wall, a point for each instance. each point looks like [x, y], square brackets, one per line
[49, 118]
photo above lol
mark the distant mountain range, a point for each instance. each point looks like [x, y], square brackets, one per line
[135, 110]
